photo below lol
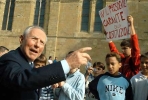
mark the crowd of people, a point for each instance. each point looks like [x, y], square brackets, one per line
[26, 73]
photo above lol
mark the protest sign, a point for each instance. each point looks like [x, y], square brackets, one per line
[114, 20]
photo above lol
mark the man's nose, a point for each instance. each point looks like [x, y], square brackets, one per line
[37, 44]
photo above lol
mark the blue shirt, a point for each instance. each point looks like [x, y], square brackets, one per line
[54, 61]
[109, 87]
[74, 87]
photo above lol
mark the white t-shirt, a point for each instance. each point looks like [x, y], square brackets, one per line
[140, 86]
[50, 61]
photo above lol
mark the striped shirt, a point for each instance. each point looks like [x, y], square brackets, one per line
[47, 93]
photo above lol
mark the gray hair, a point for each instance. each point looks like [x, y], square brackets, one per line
[3, 49]
[29, 29]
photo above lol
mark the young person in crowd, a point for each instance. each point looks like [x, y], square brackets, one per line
[140, 81]
[19, 81]
[98, 69]
[40, 61]
[88, 78]
[3, 50]
[112, 85]
[55, 60]
[130, 52]
[74, 86]
[50, 60]
[45, 93]
[91, 73]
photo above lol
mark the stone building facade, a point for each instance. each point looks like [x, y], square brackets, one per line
[69, 24]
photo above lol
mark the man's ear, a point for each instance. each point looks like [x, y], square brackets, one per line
[21, 39]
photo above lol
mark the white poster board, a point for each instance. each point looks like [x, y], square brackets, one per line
[114, 20]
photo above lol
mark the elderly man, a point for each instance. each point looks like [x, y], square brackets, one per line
[19, 81]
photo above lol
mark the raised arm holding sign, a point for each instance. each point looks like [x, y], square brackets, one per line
[118, 25]
[130, 52]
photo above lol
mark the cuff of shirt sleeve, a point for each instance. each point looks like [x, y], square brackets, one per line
[65, 86]
[133, 35]
[65, 66]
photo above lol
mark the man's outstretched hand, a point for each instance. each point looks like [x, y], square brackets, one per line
[78, 58]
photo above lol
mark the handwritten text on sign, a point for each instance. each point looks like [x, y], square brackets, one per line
[114, 20]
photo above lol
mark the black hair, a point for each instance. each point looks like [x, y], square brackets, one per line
[50, 57]
[113, 54]
[3, 49]
[69, 53]
[126, 42]
[42, 58]
[99, 64]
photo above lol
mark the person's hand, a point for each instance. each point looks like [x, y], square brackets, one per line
[56, 85]
[61, 83]
[130, 19]
[131, 22]
[89, 71]
[109, 41]
[78, 58]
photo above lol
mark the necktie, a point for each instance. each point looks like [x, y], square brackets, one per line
[31, 64]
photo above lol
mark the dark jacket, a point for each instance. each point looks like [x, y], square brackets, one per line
[18, 81]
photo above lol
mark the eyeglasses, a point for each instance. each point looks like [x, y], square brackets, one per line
[96, 69]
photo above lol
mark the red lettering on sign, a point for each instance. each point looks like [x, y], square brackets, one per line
[101, 12]
[118, 33]
[117, 6]
[114, 19]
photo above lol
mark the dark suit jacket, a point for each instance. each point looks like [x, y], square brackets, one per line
[18, 81]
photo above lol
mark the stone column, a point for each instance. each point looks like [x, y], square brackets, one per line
[53, 21]
[54, 17]
[23, 14]
[79, 19]
[2, 8]
[46, 17]
[92, 15]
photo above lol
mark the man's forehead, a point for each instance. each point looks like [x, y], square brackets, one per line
[38, 33]
[112, 59]
[37, 30]
[125, 47]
